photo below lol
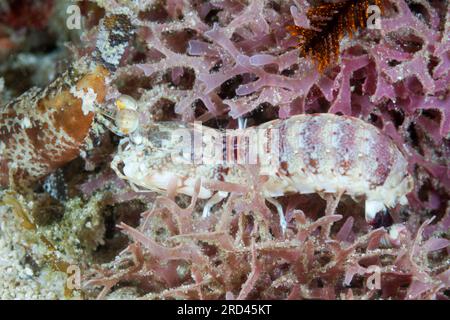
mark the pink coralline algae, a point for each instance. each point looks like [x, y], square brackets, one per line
[218, 61]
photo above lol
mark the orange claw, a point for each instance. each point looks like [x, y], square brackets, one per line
[43, 130]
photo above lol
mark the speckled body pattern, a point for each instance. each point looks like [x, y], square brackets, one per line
[321, 153]
[45, 129]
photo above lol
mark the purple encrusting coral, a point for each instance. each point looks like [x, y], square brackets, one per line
[216, 61]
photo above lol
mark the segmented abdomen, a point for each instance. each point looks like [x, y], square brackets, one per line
[330, 153]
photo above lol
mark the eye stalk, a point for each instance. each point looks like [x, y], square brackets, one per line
[121, 116]
[127, 116]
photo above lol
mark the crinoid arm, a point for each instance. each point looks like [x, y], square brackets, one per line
[330, 22]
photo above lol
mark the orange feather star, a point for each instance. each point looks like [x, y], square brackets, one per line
[330, 22]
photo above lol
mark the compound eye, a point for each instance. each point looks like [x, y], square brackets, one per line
[125, 102]
[127, 121]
